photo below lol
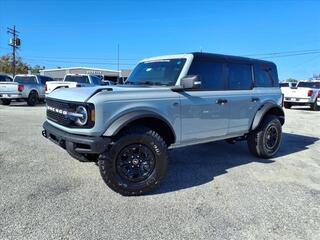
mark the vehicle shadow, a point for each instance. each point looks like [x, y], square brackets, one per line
[200, 164]
[24, 104]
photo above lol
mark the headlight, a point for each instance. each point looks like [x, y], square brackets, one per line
[82, 116]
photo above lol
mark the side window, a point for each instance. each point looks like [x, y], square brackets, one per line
[239, 76]
[211, 74]
[42, 79]
[265, 76]
[8, 79]
[96, 80]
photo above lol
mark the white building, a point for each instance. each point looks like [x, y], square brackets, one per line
[59, 73]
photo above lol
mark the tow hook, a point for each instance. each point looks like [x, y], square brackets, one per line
[44, 133]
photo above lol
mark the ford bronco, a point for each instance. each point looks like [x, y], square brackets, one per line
[167, 102]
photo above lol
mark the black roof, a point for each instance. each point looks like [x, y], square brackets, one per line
[222, 57]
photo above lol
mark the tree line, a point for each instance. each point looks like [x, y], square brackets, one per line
[21, 66]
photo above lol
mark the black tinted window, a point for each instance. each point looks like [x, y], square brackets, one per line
[265, 76]
[96, 80]
[25, 79]
[44, 79]
[309, 84]
[239, 76]
[210, 73]
[284, 84]
[76, 78]
[2, 78]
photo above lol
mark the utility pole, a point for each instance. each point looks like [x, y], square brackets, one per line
[118, 63]
[14, 43]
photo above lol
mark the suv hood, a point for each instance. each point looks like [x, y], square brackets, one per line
[83, 94]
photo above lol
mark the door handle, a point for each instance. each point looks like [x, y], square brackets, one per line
[221, 101]
[255, 99]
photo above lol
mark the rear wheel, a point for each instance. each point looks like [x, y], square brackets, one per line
[314, 106]
[6, 101]
[287, 105]
[33, 98]
[265, 140]
[136, 163]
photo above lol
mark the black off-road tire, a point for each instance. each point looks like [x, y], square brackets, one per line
[109, 161]
[258, 139]
[6, 101]
[33, 98]
[314, 106]
[287, 105]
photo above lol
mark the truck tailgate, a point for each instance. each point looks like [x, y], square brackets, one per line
[297, 92]
[8, 87]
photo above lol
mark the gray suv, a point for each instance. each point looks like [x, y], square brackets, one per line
[167, 102]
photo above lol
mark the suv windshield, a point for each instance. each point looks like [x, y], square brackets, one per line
[159, 72]
[25, 79]
[77, 79]
[309, 84]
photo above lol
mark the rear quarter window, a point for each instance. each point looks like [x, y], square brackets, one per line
[266, 76]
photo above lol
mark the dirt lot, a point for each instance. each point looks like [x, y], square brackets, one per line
[212, 191]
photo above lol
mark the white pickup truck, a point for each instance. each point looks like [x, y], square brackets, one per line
[75, 80]
[306, 93]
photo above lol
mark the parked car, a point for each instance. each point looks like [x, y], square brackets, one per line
[305, 94]
[29, 88]
[5, 78]
[75, 80]
[170, 101]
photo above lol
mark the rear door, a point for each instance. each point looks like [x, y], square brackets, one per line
[239, 95]
[204, 112]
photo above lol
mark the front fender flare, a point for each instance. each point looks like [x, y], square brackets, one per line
[263, 111]
[123, 120]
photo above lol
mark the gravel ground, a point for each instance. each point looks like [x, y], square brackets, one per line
[212, 191]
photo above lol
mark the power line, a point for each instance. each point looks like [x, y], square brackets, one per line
[85, 58]
[280, 53]
[77, 62]
[291, 55]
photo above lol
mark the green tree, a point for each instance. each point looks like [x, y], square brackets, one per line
[6, 65]
[36, 69]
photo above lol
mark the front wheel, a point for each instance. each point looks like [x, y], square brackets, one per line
[6, 101]
[265, 140]
[136, 162]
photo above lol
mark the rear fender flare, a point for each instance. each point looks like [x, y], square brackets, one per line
[264, 109]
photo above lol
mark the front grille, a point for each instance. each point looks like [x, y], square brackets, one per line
[58, 117]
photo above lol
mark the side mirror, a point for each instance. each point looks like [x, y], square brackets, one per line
[190, 82]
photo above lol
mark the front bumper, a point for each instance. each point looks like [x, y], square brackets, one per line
[10, 95]
[78, 146]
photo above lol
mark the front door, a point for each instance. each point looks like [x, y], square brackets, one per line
[204, 115]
